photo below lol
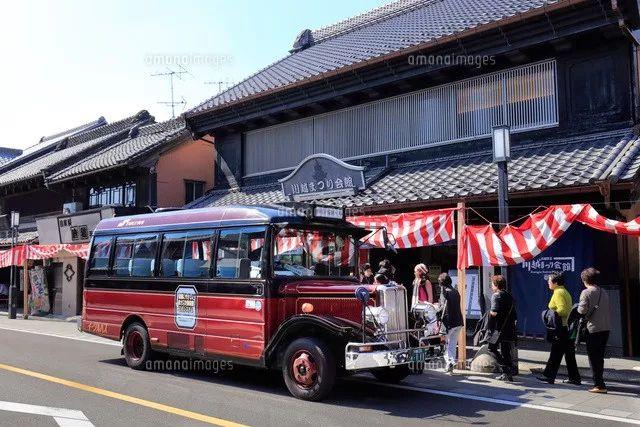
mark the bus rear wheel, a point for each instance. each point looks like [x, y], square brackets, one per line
[136, 346]
[309, 369]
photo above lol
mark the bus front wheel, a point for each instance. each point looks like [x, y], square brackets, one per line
[309, 369]
[136, 346]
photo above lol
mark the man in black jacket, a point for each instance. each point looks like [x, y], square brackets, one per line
[502, 318]
[451, 318]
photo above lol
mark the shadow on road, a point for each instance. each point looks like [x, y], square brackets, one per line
[358, 392]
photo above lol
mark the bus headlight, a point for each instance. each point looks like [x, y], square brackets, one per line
[377, 315]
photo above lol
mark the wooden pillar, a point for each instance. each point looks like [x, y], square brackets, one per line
[462, 289]
[25, 293]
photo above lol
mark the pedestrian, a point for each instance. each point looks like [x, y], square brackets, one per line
[561, 344]
[367, 275]
[388, 267]
[594, 306]
[380, 279]
[451, 318]
[502, 326]
[422, 287]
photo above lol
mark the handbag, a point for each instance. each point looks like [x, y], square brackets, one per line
[493, 336]
[552, 323]
[581, 330]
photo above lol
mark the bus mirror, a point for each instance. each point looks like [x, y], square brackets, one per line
[244, 268]
[389, 240]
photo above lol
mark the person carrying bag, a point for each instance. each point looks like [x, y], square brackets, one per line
[500, 339]
[556, 321]
[594, 307]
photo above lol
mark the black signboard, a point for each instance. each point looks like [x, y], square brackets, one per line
[321, 176]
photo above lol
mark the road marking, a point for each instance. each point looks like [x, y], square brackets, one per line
[503, 402]
[94, 341]
[230, 423]
[119, 396]
[64, 417]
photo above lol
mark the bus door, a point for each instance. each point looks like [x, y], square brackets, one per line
[238, 310]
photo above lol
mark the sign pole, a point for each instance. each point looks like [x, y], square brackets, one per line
[462, 289]
[25, 282]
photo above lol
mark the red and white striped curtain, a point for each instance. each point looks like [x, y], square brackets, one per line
[482, 245]
[19, 254]
[411, 229]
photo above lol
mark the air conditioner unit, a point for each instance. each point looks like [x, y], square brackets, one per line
[70, 208]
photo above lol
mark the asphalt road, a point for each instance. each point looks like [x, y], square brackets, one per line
[83, 376]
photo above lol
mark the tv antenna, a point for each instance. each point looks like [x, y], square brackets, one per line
[171, 74]
[219, 83]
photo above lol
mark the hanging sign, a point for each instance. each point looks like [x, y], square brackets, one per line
[321, 176]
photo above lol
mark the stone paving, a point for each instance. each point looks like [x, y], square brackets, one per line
[623, 399]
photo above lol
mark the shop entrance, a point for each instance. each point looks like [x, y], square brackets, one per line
[439, 258]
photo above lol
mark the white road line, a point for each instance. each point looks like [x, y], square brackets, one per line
[112, 343]
[506, 402]
[64, 417]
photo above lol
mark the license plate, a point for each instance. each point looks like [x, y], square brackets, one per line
[418, 354]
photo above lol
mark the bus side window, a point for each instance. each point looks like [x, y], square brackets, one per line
[99, 260]
[196, 262]
[135, 255]
[172, 251]
[186, 254]
[240, 253]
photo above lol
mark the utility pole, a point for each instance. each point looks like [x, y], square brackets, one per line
[13, 289]
[171, 74]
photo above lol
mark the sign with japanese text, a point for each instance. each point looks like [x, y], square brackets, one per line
[570, 254]
[322, 176]
[186, 307]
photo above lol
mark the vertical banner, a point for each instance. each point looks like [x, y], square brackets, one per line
[39, 297]
[572, 253]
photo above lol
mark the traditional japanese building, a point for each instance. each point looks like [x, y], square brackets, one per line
[410, 92]
[67, 182]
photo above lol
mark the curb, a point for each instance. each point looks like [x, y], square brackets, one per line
[609, 375]
[47, 318]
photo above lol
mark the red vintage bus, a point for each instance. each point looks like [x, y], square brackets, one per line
[268, 286]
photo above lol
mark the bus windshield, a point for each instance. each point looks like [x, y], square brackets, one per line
[299, 252]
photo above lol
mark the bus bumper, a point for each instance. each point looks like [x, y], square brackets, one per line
[358, 355]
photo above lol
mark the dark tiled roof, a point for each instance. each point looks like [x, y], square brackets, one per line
[550, 164]
[73, 147]
[400, 25]
[101, 121]
[49, 143]
[8, 154]
[23, 237]
[151, 137]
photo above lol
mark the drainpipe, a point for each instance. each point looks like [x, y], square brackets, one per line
[635, 90]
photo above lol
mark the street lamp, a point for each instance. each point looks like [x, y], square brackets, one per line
[501, 155]
[13, 291]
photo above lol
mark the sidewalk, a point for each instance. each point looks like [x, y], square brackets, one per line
[621, 401]
[533, 355]
[51, 317]
[617, 369]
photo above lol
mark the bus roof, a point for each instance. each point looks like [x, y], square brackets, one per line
[210, 216]
[205, 217]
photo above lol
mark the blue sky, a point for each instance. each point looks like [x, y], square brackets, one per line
[68, 62]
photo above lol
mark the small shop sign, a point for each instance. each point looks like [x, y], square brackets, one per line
[321, 176]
